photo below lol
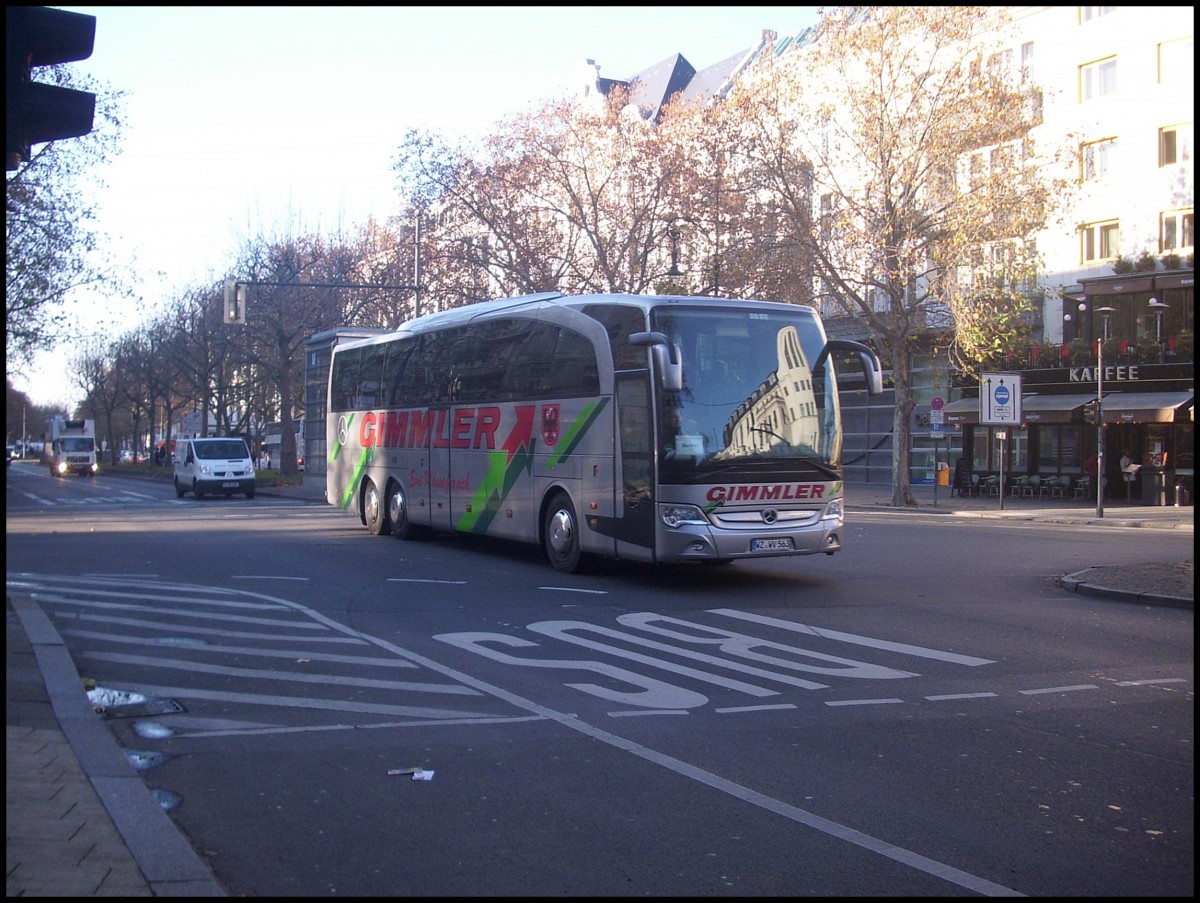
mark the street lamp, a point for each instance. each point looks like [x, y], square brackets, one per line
[1104, 312]
[673, 234]
[1159, 308]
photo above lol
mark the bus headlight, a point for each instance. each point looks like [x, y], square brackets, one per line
[678, 515]
[834, 510]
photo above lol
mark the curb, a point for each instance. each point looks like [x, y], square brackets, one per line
[1076, 584]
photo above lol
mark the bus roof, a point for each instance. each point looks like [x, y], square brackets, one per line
[460, 315]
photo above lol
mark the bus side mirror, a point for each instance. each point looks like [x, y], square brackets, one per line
[872, 368]
[667, 358]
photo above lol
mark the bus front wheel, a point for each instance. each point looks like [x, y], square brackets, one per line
[560, 534]
[373, 510]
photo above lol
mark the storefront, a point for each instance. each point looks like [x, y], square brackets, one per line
[1148, 421]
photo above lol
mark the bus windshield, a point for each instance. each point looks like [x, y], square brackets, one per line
[750, 401]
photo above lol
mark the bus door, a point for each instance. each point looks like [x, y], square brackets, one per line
[634, 479]
[438, 477]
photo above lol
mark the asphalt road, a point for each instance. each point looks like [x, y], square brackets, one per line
[929, 712]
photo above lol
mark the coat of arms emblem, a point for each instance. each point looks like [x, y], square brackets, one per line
[550, 423]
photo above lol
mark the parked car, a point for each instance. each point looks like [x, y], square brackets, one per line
[219, 465]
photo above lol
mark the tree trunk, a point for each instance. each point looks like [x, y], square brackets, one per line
[902, 496]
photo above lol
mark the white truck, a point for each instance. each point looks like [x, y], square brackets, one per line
[69, 446]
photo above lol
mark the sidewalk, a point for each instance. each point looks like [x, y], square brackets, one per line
[81, 822]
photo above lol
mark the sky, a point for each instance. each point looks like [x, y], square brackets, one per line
[248, 121]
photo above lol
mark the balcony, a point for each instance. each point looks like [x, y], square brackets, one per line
[1178, 349]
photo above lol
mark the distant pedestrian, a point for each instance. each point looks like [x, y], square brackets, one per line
[1092, 468]
[264, 460]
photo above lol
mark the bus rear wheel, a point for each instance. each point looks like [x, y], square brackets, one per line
[373, 510]
[560, 534]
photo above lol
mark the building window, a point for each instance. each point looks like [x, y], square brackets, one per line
[1177, 63]
[826, 217]
[1099, 159]
[975, 172]
[1101, 241]
[1098, 79]
[1027, 61]
[1176, 230]
[1058, 449]
[1088, 13]
[1175, 144]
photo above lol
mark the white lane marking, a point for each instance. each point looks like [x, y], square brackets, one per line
[1073, 689]
[953, 696]
[290, 676]
[838, 635]
[222, 616]
[366, 661]
[147, 597]
[266, 577]
[172, 629]
[573, 589]
[833, 703]
[744, 646]
[417, 580]
[1149, 681]
[383, 725]
[304, 702]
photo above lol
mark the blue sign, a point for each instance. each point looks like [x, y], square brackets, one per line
[1002, 395]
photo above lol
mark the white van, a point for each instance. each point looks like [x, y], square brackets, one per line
[218, 466]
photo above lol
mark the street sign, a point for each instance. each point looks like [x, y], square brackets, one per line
[938, 403]
[1000, 399]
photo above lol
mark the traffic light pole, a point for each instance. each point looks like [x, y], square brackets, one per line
[235, 293]
[1104, 314]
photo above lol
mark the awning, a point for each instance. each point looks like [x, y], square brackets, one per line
[1034, 409]
[1145, 407]
[1053, 408]
[1107, 285]
[965, 410]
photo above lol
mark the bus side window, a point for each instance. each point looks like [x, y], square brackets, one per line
[533, 362]
[345, 379]
[370, 376]
[575, 372]
[397, 375]
[621, 321]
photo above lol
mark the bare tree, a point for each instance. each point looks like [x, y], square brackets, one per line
[556, 199]
[896, 145]
[52, 248]
[296, 289]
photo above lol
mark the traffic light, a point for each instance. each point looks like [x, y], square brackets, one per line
[235, 302]
[34, 112]
[1089, 412]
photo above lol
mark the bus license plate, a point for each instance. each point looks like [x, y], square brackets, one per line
[771, 545]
